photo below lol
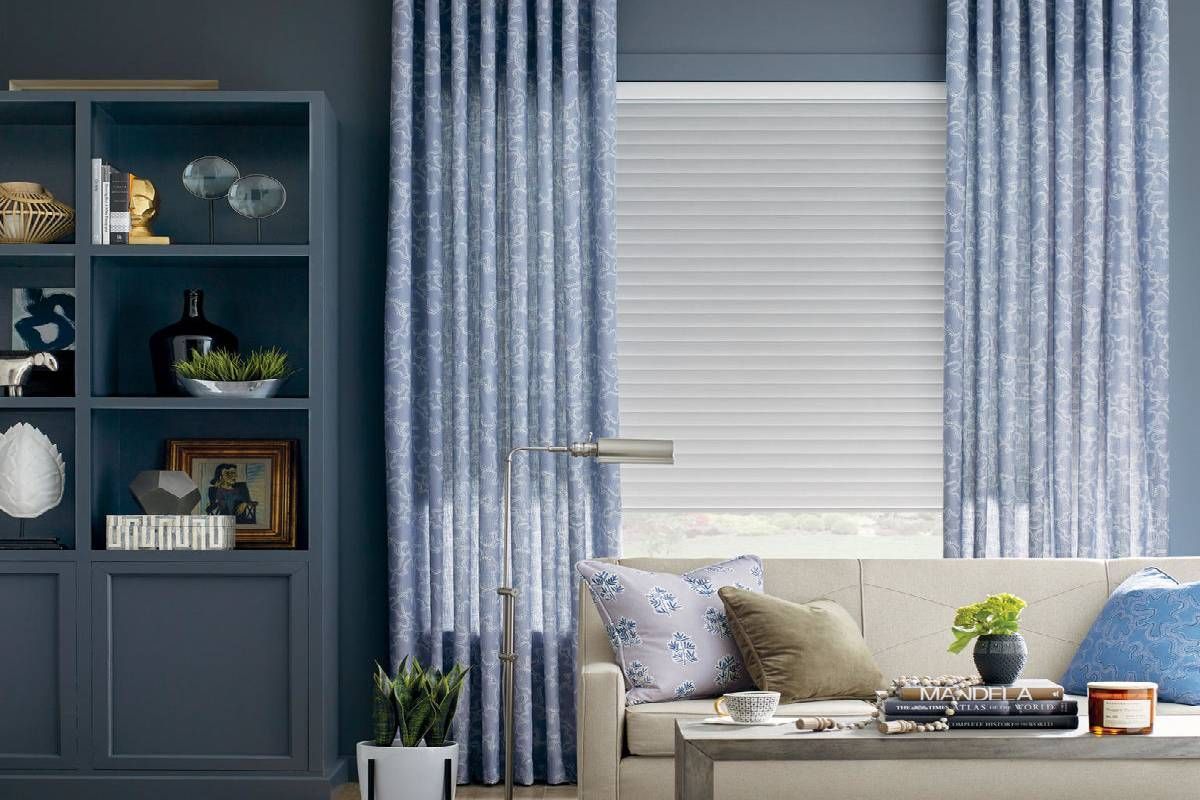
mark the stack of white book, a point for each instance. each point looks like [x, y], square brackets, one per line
[110, 204]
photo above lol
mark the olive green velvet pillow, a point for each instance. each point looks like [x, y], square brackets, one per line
[803, 651]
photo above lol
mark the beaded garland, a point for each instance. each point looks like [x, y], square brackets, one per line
[958, 683]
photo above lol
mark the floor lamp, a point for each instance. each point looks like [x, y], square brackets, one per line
[606, 451]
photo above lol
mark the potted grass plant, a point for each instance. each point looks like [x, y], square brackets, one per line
[220, 373]
[411, 756]
[1000, 651]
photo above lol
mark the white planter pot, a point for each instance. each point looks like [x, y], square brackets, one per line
[407, 773]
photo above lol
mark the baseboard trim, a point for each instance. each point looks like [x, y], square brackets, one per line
[93, 786]
[341, 771]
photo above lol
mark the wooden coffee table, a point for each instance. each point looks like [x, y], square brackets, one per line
[700, 746]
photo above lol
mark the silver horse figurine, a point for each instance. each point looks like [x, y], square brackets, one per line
[14, 369]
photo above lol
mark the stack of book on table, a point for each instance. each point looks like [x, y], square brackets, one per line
[1033, 703]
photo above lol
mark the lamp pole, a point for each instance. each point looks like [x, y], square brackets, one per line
[508, 609]
[644, 451]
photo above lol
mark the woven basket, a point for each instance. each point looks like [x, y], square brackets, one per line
[30, 215]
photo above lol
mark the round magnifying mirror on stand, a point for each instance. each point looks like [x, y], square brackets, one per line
[257, 197]
[210, 178]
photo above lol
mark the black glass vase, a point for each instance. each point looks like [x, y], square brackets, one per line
[177, 341]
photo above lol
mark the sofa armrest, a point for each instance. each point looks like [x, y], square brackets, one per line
[600, 730]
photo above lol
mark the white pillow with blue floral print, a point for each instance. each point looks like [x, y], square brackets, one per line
[669, 632]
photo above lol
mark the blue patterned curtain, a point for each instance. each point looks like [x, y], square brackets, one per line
[500, 330]
[1056, 278]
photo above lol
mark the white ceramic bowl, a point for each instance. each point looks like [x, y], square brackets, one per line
[748, 707]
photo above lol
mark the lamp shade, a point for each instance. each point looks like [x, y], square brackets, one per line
[635, 451]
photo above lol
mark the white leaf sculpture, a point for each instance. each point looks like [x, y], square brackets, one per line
[32, 472]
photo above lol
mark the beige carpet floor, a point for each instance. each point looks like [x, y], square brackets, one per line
[349, 791]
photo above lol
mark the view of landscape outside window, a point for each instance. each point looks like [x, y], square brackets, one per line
[783, 534]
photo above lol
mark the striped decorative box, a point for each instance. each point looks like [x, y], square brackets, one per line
[169, 532]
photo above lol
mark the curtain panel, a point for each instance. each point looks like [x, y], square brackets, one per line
[1056, 279]
[499, 331]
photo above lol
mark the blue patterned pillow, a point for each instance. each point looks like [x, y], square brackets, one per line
[669, 632]
[1149, 630]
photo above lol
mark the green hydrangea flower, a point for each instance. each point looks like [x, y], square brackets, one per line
[999, 614]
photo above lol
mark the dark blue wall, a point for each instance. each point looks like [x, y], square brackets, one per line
[342, 48]
[764, 40]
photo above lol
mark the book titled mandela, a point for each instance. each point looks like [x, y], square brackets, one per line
[1031, 689]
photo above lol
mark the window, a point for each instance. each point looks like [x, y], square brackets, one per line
[780, 313]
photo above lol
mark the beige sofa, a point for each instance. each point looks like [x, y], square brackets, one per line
[904, 608]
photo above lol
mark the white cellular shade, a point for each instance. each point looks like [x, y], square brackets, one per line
[780, 294]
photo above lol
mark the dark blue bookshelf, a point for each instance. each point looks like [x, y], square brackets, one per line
[213, 674]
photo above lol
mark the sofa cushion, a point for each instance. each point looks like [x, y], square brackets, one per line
[650, 728]
[797, 579]
[669, 632]
[804, 651]
[1146, 631]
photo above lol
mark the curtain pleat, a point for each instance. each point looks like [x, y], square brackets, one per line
[500, 332]
[1056, 278]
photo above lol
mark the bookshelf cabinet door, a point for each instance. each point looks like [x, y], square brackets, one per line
[200, 666]
[37, 663]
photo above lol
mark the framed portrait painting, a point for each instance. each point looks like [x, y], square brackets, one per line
[252, 480]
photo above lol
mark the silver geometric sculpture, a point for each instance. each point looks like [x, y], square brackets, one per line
[164, 491]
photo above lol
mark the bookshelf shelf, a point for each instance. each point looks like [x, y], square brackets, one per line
[260, 614]
[216, 558]
[38, 250]
[9, 403]
[208, 251]
[200, 403]
[257, 110]
[38, 556]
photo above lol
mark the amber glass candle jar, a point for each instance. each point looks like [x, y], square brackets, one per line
[1116, 707]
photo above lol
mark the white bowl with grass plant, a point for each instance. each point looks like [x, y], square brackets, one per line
[219, 373]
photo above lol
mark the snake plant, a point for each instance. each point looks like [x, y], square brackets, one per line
[414, 706]
[417, 705]
[444, 693]
[383, 708]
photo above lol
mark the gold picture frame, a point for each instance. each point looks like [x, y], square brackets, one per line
[244, 478]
